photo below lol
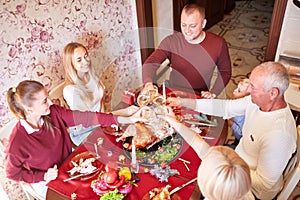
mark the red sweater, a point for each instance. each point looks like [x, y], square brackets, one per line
[192, 64]
[28, 156]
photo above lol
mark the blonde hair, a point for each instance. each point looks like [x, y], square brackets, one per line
[71, 76]
[223, 174]
[23, 95]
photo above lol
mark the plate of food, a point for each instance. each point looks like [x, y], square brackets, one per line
[161, 193]
[163, 152]
[113, 183]
[84, 166]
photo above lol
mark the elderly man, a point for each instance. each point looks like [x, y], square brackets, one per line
[194, 54]
[269, 132]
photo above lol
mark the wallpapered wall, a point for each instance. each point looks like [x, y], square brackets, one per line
[33, 34]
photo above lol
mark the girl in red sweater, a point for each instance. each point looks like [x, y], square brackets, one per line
[40, 142]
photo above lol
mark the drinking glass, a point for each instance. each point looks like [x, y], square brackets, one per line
[143, 99]
[153, 92]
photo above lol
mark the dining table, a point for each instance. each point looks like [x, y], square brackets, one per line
[108, 152]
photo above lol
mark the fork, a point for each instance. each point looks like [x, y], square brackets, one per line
[96, 151]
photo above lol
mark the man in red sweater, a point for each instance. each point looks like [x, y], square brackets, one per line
[193, 55]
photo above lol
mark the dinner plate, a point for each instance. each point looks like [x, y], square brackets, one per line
[165, 151]
[85, 155]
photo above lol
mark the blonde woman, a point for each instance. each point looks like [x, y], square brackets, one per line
[222, 174]
[83, 90]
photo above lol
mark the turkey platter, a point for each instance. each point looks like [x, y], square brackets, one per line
[145, 135]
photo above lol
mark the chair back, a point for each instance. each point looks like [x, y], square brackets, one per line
[5, 132]
[30, 193]
[291, 175]
[56, 95]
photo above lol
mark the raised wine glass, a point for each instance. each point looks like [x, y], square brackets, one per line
[143, 99]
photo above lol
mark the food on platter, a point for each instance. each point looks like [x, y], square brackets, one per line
[113, 130]
[161, 194]
[84, 164]
[141, 133]
[113, 183]
[161, 153]
[147, 134]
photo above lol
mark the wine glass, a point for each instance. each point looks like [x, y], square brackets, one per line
[143, 99]
[153, 92]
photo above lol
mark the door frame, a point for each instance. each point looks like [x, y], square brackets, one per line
[275, 29]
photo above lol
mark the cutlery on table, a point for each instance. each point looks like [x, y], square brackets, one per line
[182, 186]
[80, 175]
[208, 137]
[200, 123]
[96, 151]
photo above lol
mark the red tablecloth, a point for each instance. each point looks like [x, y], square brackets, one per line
[109, 152]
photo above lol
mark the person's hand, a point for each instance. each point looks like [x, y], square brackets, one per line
[207, 95]
[168, 112]
[147, 87]
[173, 102]
[126, 111]
[51, 174]
[142, 115]
[131, 110]
[56, 101]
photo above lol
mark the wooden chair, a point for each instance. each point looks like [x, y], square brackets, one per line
[56, 95]
[30, 192]
[5, 131]
[292, 173]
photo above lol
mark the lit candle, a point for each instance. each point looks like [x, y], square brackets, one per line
[133, 154]
[164, 90]
[134, 163]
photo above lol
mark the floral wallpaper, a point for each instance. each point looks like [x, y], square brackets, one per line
[33, 34]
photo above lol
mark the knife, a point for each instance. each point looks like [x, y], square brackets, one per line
[80, 175]
[200, 123]
[182, 186]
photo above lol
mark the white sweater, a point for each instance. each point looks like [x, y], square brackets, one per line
[76, 98]
[269, 139]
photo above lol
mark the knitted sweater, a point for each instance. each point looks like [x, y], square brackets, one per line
[192, 64]
[268, 142]
[28, 156]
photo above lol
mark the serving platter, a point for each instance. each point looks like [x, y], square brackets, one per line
[165, 151]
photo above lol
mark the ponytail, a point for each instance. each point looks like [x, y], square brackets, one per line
[12, 100]
[24, 95]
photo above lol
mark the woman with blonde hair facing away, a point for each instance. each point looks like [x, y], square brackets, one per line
[83, 90]
[222, 174]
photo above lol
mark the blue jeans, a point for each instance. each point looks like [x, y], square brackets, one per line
[79, 133]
